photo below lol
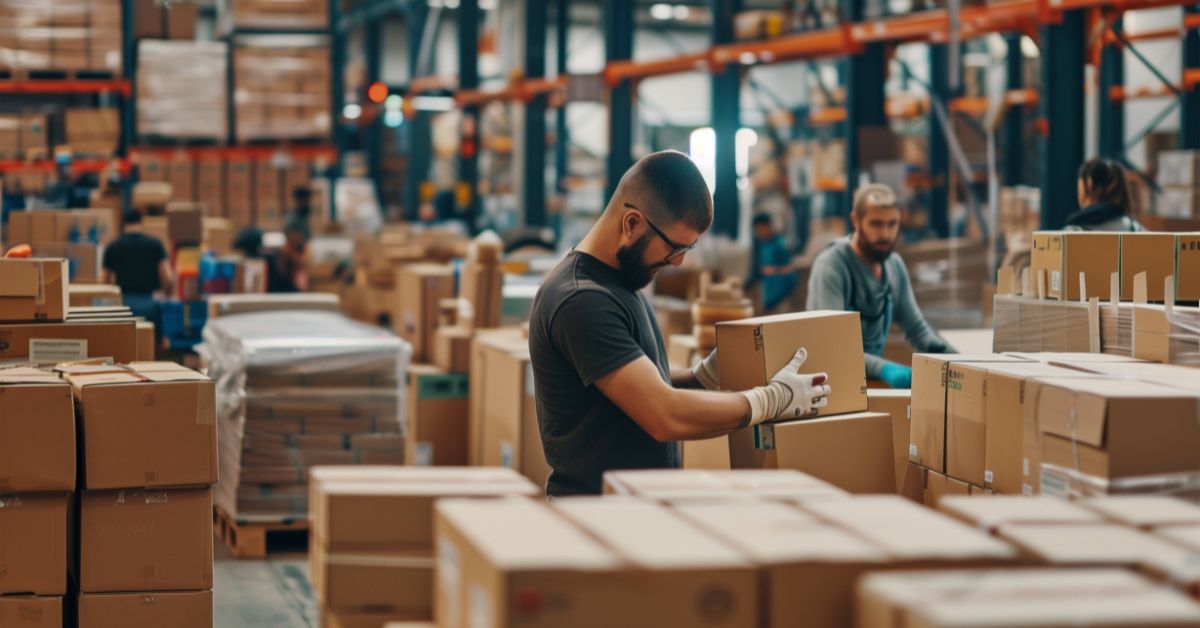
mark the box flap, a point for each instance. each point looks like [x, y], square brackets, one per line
[1077, 408]
[414, 474]
[1090, 544]
[759, 320]
[27, 375]
[999, 510]
[1145, 510]
[20, 278]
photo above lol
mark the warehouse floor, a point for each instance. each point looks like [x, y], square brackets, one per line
[271, 593]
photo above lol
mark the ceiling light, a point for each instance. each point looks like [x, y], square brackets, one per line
[661, 11]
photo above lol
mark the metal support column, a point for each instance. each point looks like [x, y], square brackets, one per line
[129, 67]
[532, 164]
[1063, 58]
[418, 136]
[939, 153]
[468, 78]
[1190, 101]
[1111, 112]
[866, 104]
[562, 135]
[618, 46]
[1014, 122]
[373, 142]
[337, 102]
[726, 120]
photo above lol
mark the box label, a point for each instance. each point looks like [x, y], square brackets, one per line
[506, 454]
[1055, 486]
[1055, 281]
[45, 350]
[480, 608]
[987, 476]
[449, 577]
[1027, 490]
[912, 450]
[764, 437]
[423, 454]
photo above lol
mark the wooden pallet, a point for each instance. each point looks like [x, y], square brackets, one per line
[48, 74]
[247, 538]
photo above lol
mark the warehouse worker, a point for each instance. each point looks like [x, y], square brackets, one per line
[861, 273]
[771, 264]
[606, 398]
[139, 264]
[1104, 197]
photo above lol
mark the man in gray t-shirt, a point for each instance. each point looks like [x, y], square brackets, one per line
[861, 273]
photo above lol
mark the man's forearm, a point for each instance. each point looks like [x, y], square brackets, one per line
[700, 414]
[683, 378]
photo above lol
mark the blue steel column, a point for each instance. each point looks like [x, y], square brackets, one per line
[418, 132]
[1112, 112]
[1062, 105]
[1190, 112]
[468, 78]
[337, 99]
[726, 120]
[562, 135]
[939, 153]
[373, 53]
[129, 73]
[618, 46]
[533, 163]
[865, 75]
[1014, 121]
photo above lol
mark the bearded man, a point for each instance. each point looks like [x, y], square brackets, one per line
[862, 273]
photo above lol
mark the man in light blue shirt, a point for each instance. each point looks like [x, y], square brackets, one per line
[772, 264]
[861, 273]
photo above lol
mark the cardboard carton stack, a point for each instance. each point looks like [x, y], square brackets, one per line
[67, 35]
[275, 14]
[148, 446]
[281, 91]
[420, 288]
[76, 234]
[168, 105]
[93, 131]
[24, 136]
[372, 550]
[480, 294]
[947, 274]
[717, 303]
[1179, 176]
[300, 389]
[675, 485]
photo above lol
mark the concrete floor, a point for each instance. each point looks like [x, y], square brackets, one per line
[271, 593]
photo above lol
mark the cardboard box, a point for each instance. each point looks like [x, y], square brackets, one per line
[33, 289]
[683, 351]
[34, 537]
[674, 485]
[1061, 256]
[343, 619]
[191, 609]
[632, 562]
[27, 611]
[807, 568]
[503, 427]
[210, 185]
[270, 207]
[851, 451]
[240, 191]
[896, 404]
[481, 289]
[398, 583]
[938, 486]
[1094, 545]
[218, 235]
[37, 419]
[1145, 511]
[913, 484]
[1004, 510]
[185, 223]
[85, 262]
[228, 304]
[752, 350]
[414, 314]
[452, 349]
[93, 295]
[146, 344]
[60, 342]
[1151, 253]
[1187, 272]
[146, 424]
[965, 422]
[436, 428]
[181, 175]
[485, 342]
[927, 430]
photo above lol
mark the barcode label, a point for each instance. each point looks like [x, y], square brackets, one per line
[987, 476]
[912, 450]
[423, 454]
[54, 350]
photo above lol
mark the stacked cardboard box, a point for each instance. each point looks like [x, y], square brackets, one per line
[93, 131]
[158, 19]
[149, 452]
[1060, 258]
[947, 274]
[693, 484]
[275, 14]
[33, 290]
[420, 288]
[306, 388]
[372, 554]
[168, 104]
[1179, 176]
[24, 136]
[76, 234]
[37, 481]
[279, 91]
[61, 35]
[437, 418]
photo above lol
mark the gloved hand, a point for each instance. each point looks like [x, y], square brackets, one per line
[896, 375]
[790, 394]
[939, 346]
[706, 372]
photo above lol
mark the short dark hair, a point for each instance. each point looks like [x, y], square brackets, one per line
[762, 218]
[875, 195]
[131, 217]
[668, 187]
[1104, 182]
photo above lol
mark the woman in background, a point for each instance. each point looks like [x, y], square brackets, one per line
[1104, 197]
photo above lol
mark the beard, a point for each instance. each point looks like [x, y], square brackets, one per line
[877, 251]
[634, 272]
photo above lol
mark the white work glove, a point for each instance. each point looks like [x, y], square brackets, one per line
[790, 394]
[706, 372]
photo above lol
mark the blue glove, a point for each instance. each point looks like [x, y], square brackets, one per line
[939, 346]
[896, 375]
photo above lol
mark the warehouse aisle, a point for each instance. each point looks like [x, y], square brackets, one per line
[271, 593]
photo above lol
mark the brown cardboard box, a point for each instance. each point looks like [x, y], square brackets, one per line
[807, 568]
[1145, 511]
[850, 451]
[631, 562]
[708, 454]
[218, 235]
[1062, 256]
[1187, 272]
[58, 342]
[240, 191]
[436, 429]
[896, 404]
[509, 432]
[452, 349]
[268, 193]
[33, 289]
[414, 314]
[96, 226]
[913, 484]
[935, 488]
[210, 185]
[92, 295]
[85, 262]
[182, 177]
[185, 223]
[34, 531]
[1004, 510]
[145, 341]
[683, 351]
[399, 583]
[671, 485]
[1113, 429]
[965, 422]
[1095, 545]
[751, 351]
[927, 431]
[37, 419]
[482, 285]
[191, 609]
[1151, 253]
[146, 540]
[342, 619]
[146, 424]
[157, 227]
[26, 611]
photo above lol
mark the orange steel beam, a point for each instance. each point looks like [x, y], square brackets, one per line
[77, 167]
[1120, 92]
[423, 84]
[619, 71]
[1191, 79]
[229, 152]
[822, 43]
[521, 90]
[827, 115]
[39, 86]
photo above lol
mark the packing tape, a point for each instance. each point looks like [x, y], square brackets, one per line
[40, 299]
[356, 560]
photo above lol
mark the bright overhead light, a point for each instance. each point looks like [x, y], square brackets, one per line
[661, 11]
[351, 112]
[392, 119]
[682, 12]
[747, 58]
[487, 5]
[433, 103]
[393, 102]
[451, 4]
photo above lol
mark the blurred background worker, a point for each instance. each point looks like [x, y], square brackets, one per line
[861, 273]
[139, 264]
[1104, 197]
[772, 265]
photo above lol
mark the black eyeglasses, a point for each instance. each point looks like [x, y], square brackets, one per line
[677, 250]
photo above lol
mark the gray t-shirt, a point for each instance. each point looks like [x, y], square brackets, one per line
[840, 280]
[586, 324]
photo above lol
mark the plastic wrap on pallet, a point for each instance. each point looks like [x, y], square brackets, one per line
[297, 389]
[281, 90]
[169, 104]
[64, 35]
[1059, 481]
[1116, 329]
[1026, 324]
[274, 14]
[1170, 335]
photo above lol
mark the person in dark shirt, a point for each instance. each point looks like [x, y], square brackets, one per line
[139, 264]
[771, 264]
[605, 396]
